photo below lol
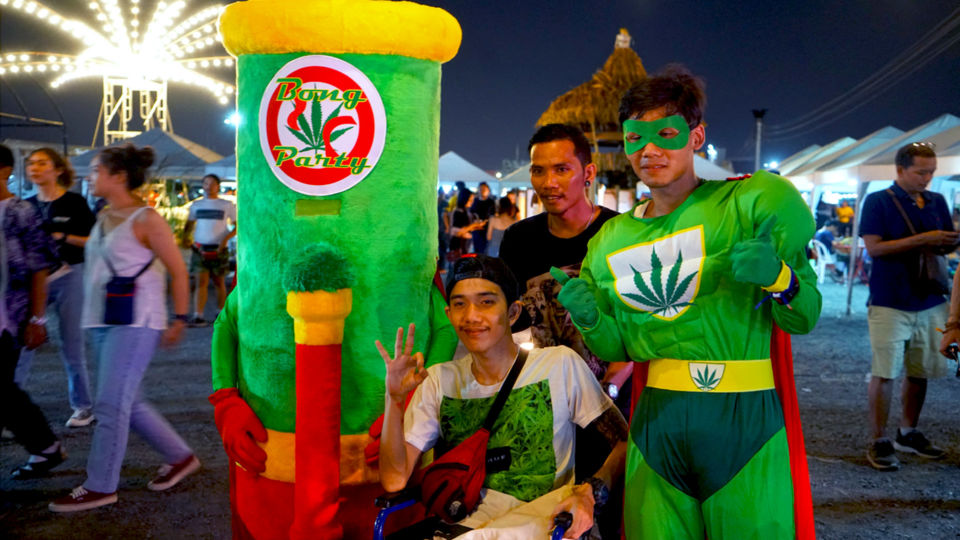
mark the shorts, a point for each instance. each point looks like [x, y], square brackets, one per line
[909, 338]
[217, 267]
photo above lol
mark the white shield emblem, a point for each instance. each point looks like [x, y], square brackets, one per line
[661, 277]
[706, 376]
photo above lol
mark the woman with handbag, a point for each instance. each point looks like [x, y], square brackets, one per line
[125, 312]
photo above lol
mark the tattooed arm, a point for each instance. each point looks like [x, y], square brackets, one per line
[613, 428]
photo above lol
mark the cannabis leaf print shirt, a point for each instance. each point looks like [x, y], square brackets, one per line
[554, 391]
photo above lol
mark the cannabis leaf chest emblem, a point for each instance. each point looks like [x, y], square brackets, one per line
[660, 277]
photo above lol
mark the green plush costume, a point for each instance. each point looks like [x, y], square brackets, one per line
[365, 99]
[708, 453]
[385, 225]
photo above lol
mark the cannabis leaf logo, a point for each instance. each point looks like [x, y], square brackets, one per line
[311, 132]
[662, 297]
[706, 379]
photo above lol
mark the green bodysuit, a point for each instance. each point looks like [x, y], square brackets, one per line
[708, 453]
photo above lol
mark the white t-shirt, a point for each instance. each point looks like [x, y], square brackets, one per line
[211, 216]
[554, 391]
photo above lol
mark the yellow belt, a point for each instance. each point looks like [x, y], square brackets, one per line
[710, 376]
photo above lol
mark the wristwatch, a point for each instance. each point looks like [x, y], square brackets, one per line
[39, 321]
[600, 492]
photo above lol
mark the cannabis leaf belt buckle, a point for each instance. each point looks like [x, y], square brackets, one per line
[706, 376]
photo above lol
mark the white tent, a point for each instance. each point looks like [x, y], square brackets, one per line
[881, 165]
[176, 157]
[866, 161]
[811, 173]
[794, 162]
[453, 168]
[518, 178]
[877, 162]
[817, 174]
[709, 170]
[798, 159]
[225, 168]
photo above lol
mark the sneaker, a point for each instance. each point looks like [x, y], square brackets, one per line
[915, 443]
[81, 418]
[81, 499]
[198, 322]
[169, 475]
[37, 469]
[881, 456]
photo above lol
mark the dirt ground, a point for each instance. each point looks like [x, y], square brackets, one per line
[851, 500]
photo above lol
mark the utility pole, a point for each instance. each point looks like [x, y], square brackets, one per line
[758, 114]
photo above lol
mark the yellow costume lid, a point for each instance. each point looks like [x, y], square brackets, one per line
[340, 26]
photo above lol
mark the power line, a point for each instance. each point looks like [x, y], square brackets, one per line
[932, 44]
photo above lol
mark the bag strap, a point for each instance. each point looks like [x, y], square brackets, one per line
[903, 212]
[113, 271]
[505, 390]
[103, 237]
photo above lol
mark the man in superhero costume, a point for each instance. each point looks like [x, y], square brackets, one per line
[692, 283]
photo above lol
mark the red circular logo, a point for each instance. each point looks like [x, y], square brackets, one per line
[322, 125]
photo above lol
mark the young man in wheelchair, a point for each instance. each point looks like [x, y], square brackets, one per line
[531, 447]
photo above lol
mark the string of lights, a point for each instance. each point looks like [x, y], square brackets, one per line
[128, 55]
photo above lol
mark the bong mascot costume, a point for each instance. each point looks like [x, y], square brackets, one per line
[337, 174]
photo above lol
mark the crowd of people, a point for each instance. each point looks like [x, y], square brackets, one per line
[104, 277]
[473, 222]
[693, 289]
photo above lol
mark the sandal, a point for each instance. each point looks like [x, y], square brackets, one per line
[39, 469]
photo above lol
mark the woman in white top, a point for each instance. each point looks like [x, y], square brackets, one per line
[128, 240]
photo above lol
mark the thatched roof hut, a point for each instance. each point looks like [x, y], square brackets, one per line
[592, 106]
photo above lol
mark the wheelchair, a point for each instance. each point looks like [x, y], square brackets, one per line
[417, 525]
[433, 527]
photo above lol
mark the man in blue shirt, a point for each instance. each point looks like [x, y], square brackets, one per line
[904, 310]
[826, 235]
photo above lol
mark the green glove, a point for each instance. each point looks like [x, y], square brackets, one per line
[578, 297]
[756, 260]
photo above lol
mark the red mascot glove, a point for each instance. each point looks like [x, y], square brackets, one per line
[239, 428]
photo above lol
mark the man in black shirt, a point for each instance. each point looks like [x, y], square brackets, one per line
[560, 171]
[483, 207]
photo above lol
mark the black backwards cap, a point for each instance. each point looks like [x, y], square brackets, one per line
[484, 267]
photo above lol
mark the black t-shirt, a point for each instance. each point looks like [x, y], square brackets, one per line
[68, 214]
[484, 208]
[530, 249]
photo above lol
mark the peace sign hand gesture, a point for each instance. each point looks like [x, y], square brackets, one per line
[405, 371]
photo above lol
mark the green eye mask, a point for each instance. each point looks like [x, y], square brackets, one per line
[649, 132]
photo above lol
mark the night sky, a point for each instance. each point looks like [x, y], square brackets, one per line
[517, 56]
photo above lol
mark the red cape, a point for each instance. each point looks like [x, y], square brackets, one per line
[781, 355]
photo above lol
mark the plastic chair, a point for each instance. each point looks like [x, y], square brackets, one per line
[824, 258]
